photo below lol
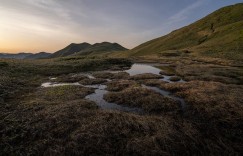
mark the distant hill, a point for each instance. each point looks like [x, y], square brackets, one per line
[219, 34]
[40, 55]
[86, 49]
[101, 47]
[70, 49]
[15, 56]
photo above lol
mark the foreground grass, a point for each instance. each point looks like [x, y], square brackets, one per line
[60, 121]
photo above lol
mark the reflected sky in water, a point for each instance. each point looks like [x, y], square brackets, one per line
[142, 68]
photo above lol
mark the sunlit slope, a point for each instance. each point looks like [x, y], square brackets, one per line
[219, 34]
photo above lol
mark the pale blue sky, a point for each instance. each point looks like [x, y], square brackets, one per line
[49, 25]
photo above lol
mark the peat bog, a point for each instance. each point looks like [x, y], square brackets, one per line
[127, 110]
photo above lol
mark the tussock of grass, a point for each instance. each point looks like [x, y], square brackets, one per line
[210, 72]
[64, 92]
[216, 107]
[120, 85]
[92, 81]
[175, 78]
[70, 78]
[142, 98]
[152, 82]
[146, 76]
[108, 75]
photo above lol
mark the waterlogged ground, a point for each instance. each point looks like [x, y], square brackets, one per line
[135, 73]
[92, 106]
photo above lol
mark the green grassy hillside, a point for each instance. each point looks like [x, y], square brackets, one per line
[219, 34]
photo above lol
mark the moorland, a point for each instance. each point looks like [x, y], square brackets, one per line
[180, 94]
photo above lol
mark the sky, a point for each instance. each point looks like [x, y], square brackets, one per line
[50, 25]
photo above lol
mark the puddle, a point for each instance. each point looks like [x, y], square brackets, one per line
[167, 94]
[149, 68]
[142, 68]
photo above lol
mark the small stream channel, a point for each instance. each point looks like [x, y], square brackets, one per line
[100, 89]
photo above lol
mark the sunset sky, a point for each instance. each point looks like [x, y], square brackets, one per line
[49, 25]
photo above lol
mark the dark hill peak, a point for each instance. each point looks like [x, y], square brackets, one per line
[70, 49]
[86, 48]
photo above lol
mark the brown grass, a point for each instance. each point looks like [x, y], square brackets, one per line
[70, 78]
[143, 98]
[215, 107]
[146, 76]
[119, 85]
[92, 81]
[59, 121]
[152, 82]
[175, 78]
[109, 75]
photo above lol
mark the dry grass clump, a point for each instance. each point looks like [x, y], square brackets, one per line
[92, 81]
[120, 75]
[210, 72]
[146, 76]
[103, 75]
[75, 131]
[152, 82]
[167, 73]
[175, 78]
[70, 78]
[64, 93]
[216, 108]
[143, 98]
[212, 99]
[119, 85]
[109, 75]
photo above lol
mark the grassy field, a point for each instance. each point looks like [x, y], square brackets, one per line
[60, 121]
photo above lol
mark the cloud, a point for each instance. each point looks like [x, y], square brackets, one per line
[183, 14]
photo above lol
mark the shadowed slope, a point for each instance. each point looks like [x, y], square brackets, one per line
[70, 49]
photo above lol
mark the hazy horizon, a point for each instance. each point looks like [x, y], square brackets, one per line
[39, 25]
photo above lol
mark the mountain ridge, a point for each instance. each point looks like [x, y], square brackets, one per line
[24, 55]
[86, 48]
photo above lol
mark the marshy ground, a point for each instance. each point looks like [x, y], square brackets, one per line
[94, 106]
